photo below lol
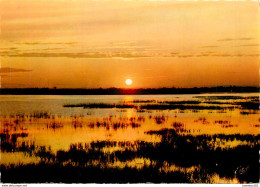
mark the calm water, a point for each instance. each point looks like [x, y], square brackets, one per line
[33, 127]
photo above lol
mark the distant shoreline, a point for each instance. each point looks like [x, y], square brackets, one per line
[122, 91]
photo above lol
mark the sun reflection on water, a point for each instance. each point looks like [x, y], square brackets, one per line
[130, 133]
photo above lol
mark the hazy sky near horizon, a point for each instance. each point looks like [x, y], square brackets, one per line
[89, 44]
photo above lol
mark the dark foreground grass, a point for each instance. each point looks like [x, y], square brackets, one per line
[185, 151]
[42, 172]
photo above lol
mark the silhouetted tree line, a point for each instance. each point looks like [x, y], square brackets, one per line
[122, 91]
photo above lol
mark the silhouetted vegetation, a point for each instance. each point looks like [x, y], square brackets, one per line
[247, 112]
[201, 152]
[212, 103]
[114, 125]
[44, 115]
[99, 105]
[54, 125]
[152, 106]
[249, 105]
[183, 107]
[9, 142]
[144, 101]
[181, 102]
[230, 97]
[179, 157]
[160, 119]
[45, 172]
[120, 91]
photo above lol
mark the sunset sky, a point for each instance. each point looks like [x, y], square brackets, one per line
[91, 44]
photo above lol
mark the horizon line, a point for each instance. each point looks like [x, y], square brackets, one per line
[105, 88]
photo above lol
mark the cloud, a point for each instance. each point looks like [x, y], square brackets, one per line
[171, 54]
[48, 43]
[50, 49]
[8, 48]
[13, 52]
[248, 45]
[234, 55]
[43, 49]
[210, 46]
[185, 56]
[234, 39]
[81, 55]
[203, 55]
[118, 54]
[5, 53]
[8, 70]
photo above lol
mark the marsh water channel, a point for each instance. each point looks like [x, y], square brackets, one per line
[204, 138]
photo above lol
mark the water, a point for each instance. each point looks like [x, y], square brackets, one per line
[57, 130]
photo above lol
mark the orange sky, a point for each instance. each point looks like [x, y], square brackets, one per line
[86, 44]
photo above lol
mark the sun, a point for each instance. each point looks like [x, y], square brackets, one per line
[128, 82]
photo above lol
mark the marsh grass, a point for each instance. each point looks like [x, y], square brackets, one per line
[175, 148]
[108, 161]
[99, 105]
[201, 103]
[42, 172]
[113, 125]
